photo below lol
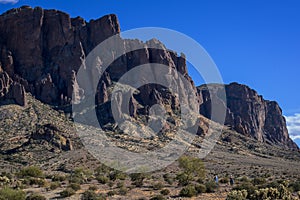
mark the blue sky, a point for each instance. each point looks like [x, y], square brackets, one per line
[252, 42]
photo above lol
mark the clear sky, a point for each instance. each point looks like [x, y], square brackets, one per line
[254, 42]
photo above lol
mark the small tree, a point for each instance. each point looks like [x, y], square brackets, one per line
[188, 191]
[32, 171]
[11, 194]
[193, 167]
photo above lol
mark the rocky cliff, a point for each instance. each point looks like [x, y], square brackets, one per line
[249, 113]
[41, 52]
[43, 49]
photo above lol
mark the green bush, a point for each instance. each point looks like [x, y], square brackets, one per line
[295, 186]
[74, 186]
[115, 174]
[183, 179]
[168, 178]
[36, 197]
[157, 186]
[91, 195]
[77, 180]
[259, 181]
[80, 176]
[7, 174]
[67, 192]
[165, 192]
[54, 185]
[7, 193]
[188, 191]
[111, 193]
[158, 197]
[31, 171]
[102, 179]
[120, 184]
[210, 186]
[138, 179]
[244, 179]
[237, 195]
[122, 191]
[37, 181]
[200, 188]
[193, 167]
[266, 193]
[58, 177]
[102, 170]
[248, 186]
[93, 188]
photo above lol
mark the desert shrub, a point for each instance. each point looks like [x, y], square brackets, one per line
[224, 180]
[188, 191]
[115, 174]
[259, 181]
[102, 179]
[210, 186]
[193, 167]
[158, 197]
[54, 185]
[295, 186]
[7, 193]
[168, 178]
[111, 193]
[165, 192]
[31, 171]
[91, 195]
[67, 192]
[237, 195]
[248, 186]
[80, 176]
[74, 186]
[122, 191]
[93, 188]
[120, 184]
[111, 183]
[273, 184]
[37, 181]
[36, 197]
[183, 179]
[269, 193]
[7, 174]
[78, 180]
[200, 188]
[138, 179]
[58, 177]
[102, 169]
[266, 193]
[244, 179]
[157, 186]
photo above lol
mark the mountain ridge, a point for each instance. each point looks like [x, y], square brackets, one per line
[42, 50]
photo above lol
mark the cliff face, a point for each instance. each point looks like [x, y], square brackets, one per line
[41, 52]
[249, 114]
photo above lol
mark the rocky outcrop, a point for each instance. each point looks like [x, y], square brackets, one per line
[10, 91]
[41, 49]
[51, 134]
[249, 114]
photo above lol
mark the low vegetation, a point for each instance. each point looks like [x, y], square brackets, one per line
[188, 180]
